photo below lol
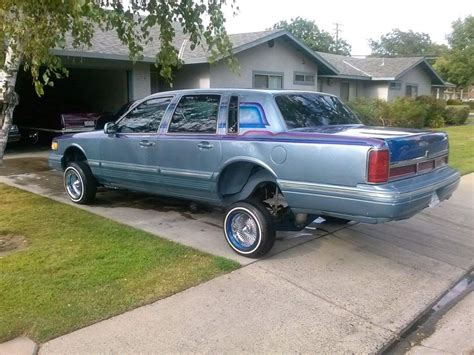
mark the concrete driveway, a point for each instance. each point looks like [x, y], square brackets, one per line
[325, 290]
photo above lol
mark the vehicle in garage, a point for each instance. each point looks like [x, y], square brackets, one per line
[49, 121]
[274, 159]
[14, 134]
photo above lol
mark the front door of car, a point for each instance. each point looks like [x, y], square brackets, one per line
[190, 154]
[128, 157]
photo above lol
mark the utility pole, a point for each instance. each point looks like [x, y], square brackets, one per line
[337, 29]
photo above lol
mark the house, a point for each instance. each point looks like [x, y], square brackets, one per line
[102, 77]
[383, 78]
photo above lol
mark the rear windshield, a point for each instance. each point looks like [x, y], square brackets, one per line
[309, 110]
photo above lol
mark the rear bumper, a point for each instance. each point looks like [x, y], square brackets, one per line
[371, 203]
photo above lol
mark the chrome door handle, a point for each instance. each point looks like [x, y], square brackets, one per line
[146, 143]
[205, 145]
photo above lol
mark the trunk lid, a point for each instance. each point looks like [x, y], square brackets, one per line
[412, 151]
[404, 144]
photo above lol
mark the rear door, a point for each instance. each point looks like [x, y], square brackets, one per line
[128, 158]
[189, 153]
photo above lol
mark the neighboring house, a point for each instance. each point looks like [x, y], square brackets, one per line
[383, 78]
[445, 92]
[102, 77]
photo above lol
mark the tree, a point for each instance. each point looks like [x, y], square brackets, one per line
[30, 28]
[318, 40]
[400, 43]
[457, 65]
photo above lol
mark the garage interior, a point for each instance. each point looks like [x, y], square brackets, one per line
[92, 86]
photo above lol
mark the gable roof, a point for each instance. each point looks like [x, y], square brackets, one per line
[372, 68]
[107, 45]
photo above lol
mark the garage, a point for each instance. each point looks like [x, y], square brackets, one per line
[93, 89]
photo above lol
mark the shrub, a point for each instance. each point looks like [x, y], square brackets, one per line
[434, 111]
[454, 102]
[371, 111]
[456, 114]
[407, 112]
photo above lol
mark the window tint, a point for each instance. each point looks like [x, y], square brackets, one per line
[232, 119]
[309, 110]
[145, 118]
[196, 114]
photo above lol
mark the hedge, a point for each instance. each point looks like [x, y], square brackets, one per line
[424, 111]
[456, 114]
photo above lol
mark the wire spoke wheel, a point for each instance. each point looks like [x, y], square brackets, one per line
[248, 228]
[73, 184]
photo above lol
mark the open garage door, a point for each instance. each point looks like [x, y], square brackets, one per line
[85, 95]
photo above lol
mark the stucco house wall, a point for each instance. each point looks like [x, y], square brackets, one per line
[416, 76]
[140, 84]
[333, 86]
[282, 58]
[375, 89]
[330, 86]
[193, 76]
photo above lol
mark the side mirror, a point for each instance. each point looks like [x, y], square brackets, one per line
[110, 128]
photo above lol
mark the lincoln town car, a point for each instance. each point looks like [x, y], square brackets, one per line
[274, 160]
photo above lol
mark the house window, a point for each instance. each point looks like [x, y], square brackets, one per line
[411, 90]
[264, 80]
[303, 78]
[395, 85]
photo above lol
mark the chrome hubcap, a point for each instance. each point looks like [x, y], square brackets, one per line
[244, 228]
[73, 184]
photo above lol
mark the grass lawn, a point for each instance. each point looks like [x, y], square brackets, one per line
[79, 268]
[461, 147]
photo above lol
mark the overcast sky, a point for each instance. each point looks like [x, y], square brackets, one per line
[361, 20]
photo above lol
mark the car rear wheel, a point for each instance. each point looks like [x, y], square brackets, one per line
[249, 229]
[79, 183]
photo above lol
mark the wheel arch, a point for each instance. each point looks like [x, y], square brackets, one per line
[240, 177]
[73, 153]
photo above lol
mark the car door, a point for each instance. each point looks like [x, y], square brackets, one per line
[189, 153]
[128, 158]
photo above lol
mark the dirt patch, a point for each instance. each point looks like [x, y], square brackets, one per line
[23, 166]
[11, 243]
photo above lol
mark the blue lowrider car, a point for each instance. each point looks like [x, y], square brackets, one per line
[274, 159]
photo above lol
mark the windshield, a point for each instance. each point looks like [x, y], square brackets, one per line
[309, 110]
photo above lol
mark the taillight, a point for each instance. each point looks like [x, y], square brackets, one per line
[378, 167]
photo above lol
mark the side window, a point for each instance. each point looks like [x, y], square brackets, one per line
[195, 114]
[145, 118]
[233, 115]
[252, 115]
